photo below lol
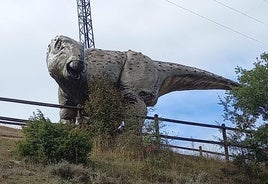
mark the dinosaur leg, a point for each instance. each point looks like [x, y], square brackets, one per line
[66, 115]
[136, 112]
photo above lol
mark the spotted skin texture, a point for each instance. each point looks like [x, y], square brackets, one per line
[140, 79]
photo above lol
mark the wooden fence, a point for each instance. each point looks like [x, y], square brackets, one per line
[224, 142]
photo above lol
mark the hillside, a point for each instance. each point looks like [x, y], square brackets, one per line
[10, 132]
[111, 167]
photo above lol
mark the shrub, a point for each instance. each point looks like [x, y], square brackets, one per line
[104, 106]
[46, 142]
[106, 109]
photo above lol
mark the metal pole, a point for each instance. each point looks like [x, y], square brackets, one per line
[86, 36]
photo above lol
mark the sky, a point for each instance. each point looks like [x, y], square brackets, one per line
[208, 34]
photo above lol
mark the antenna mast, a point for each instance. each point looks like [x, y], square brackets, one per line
[86, 36]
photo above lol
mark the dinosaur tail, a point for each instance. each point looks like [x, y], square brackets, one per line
[176, 77]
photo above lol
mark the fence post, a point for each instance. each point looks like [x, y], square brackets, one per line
[225, 143]
[78, 115]
[157, 131]
[200, 151]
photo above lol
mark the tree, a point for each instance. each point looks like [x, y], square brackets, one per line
[247, 107]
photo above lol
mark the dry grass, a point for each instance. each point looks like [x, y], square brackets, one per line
[165, 167]
[118, 166]
[12, 169]
[10, 132]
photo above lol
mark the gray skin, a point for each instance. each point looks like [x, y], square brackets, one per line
[140, 79]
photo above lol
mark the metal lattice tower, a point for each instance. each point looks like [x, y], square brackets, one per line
[86, 36]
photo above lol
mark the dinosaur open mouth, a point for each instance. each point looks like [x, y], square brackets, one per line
[74, 69]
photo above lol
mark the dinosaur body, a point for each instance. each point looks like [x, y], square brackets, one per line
[140, 79]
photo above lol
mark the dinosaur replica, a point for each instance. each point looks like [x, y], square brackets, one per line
[140, 79]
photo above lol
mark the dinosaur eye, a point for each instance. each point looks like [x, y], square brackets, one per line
[58, 44]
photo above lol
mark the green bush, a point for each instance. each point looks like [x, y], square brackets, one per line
[46, 142]
[106, 109]
[104, 106]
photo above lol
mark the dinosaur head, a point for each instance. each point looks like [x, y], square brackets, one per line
[65, 59]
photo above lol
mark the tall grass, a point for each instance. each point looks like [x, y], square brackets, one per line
[116, 167]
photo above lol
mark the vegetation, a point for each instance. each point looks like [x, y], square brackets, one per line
[45, 142]
[115, 168]
[104, 107]
[247, 107]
